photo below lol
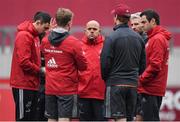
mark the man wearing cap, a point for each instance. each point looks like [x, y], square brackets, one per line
[122, 59]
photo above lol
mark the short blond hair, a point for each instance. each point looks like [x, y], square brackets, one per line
[63, 16]
[135, 15]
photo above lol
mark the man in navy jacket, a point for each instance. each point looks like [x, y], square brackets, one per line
[122, 59]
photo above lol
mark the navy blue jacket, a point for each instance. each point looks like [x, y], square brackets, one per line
[123, 57]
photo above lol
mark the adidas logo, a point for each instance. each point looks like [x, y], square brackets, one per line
[52, 63]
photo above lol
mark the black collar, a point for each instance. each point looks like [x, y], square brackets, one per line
[120, 26]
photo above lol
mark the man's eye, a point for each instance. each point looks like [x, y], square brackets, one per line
[136, 23]
[92, 29]
[143, 22]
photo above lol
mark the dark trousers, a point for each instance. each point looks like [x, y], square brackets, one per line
[120, 102]
[25, 104]
[40, 113]
[91, 109]
[150, 107]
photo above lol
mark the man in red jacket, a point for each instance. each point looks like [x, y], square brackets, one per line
[91, 86]
[25, 69]
[63, 59]
[152, 82]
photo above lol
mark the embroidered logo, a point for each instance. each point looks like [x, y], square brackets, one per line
[52, 63]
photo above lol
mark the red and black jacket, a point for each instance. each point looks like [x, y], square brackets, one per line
[26, 58]
[91, 84]
[63, 59]
[154, 79]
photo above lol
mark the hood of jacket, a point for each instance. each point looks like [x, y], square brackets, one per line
[28, 26]
[57, 35]
[159, 30]
[98, 40]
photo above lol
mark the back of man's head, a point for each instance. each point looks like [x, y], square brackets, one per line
[122, 12]
[63, 16]
[42, 16]
[150, 14]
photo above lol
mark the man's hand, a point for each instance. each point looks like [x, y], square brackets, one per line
[53, 24]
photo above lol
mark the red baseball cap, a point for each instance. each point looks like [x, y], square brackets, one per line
[121, 10]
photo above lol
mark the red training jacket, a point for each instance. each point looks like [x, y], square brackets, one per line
[154, 79]
[26, 58]
[62, 62]
[91, 84]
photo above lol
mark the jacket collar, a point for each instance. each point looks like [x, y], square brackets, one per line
[98, 40]
[120, 26]
[28, 26]
[159, 30]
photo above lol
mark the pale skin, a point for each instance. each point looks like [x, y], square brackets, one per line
[146, 25]
[41, 27]
[136, 24]
[92, 30]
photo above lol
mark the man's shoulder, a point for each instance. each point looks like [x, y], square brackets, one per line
[25, 33]
[157, 36]
[72, 38]
[45, 40]
[120, 32]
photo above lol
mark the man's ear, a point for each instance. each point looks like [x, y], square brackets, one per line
[153, 21]
[70, 23]
[115, 16]
[38, 22]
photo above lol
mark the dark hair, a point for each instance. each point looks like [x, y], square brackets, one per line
[63, 16]
[42, 16]
[123, 19]
[150, 14]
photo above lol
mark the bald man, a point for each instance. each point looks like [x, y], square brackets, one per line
[91, 86]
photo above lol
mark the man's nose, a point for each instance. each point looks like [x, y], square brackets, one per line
[133, 27]
[92, 31]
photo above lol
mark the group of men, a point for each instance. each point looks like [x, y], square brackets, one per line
[122, 76]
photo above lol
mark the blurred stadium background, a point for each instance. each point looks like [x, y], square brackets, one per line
[13, 12]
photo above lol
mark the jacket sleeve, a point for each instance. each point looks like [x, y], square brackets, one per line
[142, 60]
[106, 56]
[80, 59]
[23, 45]
[155, 63]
